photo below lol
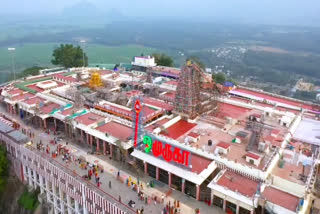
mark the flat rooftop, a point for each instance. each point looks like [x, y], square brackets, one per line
[308, 131]
[281, 198]
[89, 118]
[116, 130]
[49, 107]
[273, 98]
[34, 100]
[178, 129]
[229, 110]
[238, 183]
[292, 172]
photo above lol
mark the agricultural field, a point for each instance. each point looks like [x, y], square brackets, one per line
[39, 54]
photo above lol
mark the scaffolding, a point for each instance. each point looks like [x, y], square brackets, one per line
[193, 97]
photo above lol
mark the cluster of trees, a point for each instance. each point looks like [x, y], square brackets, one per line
[69, 56]
[162, 59]
[30, 71]
[4, 168]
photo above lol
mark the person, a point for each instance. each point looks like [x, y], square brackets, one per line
[110, 184]
[162, 198]
[118, 175]
[119, 198]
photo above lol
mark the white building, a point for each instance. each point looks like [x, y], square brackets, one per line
[145, 61]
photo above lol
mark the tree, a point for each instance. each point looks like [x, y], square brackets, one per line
[197, 61]
[30, 71]
[219, 78]
[4, 164]
[69, 56]
[162, 59]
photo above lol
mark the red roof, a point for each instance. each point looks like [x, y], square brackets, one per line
[133, 93]
[157, 124]
[48, 108]
[229, 110]
[178, 129]
[67, 112]
[15, 91]
[116, 130]
[275, 131]
[199, 163]
[65, 78]
[157, 103]
[170, 94]
[254, 156]
[193, 134]
[281, 198]
[89, 118]
[36, 88]
[238, 183]
[223, 145]
[269, 138]
[34, 100]
[276, 99]
[22, 96]
[172, 82]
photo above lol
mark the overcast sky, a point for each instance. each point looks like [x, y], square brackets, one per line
[258, 11]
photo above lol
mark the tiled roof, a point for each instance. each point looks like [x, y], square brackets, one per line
[224, 145]
[116, 130]
[238, 183]
[178, 129]
[193, 134]
[281, 198]
[254, 156]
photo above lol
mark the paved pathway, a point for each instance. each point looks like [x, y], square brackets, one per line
[187, 204]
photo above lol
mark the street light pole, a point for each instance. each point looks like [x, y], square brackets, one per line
[12, 50]
[83, 42]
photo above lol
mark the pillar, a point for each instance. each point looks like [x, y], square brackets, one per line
[54, 190]
[198, 193]
[157, 173]
[252, 211]
[45, 123]
[81, 134]
[111, 149]
[85, 210]
[69, 204]
[55, 124]
[8, 108]
[98, 144]
[88, 141]
[183, 185]
[30, 178]
[41, 184]
[76, 203]
[61, 200]
[224, 205]
[169, 179]
[48, 189]
[40, 121]
[238, 208]
[104, 147]
[145, 168]
[212, 196]
[91, 138]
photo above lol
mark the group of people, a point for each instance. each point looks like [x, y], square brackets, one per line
[172, 208]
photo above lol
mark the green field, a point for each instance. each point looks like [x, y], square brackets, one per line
[39, 54]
